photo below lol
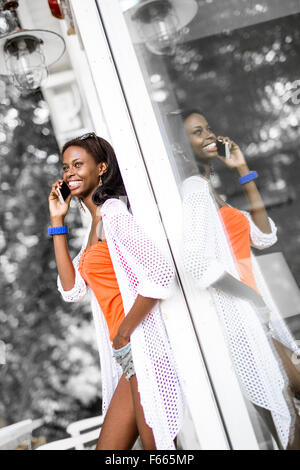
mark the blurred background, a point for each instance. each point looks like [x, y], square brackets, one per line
[51, 359]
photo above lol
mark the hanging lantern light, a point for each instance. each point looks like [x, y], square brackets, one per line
[25, 55]
[159, 23]
[25, 61]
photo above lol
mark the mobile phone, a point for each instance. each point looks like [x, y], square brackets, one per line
[63, 192]
[223, 148]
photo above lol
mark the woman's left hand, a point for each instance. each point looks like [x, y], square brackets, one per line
[120, 341]
[236, 159]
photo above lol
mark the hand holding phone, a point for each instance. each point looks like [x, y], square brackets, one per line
[63, 192]
[59, 199]
[223, 148]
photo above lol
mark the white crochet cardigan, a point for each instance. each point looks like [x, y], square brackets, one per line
[207, 257]
[140, 269]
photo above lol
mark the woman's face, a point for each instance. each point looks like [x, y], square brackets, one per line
[202, 138]
[81, 172]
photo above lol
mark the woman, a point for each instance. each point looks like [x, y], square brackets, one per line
[218, 256]
[126, 275]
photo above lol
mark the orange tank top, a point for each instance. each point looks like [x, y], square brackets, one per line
[96, 268]
[238, 230]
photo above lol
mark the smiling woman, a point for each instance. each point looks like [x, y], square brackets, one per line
[200, 134]
[126, 275]
[108, 176]
[80, 170]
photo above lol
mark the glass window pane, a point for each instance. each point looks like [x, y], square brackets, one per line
[223, 77]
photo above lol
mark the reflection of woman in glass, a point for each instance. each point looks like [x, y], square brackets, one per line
[125, 274]
[210, 262]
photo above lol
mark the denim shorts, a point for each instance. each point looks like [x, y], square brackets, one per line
[123, 357]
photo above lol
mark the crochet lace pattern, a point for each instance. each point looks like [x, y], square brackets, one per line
[207, 255]
[145, 270]
[141, 268]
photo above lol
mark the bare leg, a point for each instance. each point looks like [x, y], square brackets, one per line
[294, 441]
[119, 430]
[145, 431]
[125, 420]
[295, 444]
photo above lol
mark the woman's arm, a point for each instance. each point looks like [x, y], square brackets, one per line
[64, 263]
[138, 254]
[238, 162]
[141, 307]
[257, 209]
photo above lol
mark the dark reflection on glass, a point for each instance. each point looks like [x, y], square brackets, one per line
[238, 63]
[254, 98]
[217, 253]
[248, 83]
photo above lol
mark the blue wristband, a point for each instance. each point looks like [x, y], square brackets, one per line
[57, 230]
[249, 177]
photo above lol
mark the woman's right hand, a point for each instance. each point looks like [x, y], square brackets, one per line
[56, 208]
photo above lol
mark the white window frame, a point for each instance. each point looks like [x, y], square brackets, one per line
[213, 395]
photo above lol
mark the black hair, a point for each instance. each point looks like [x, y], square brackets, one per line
[185, 113]
[101, 150]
